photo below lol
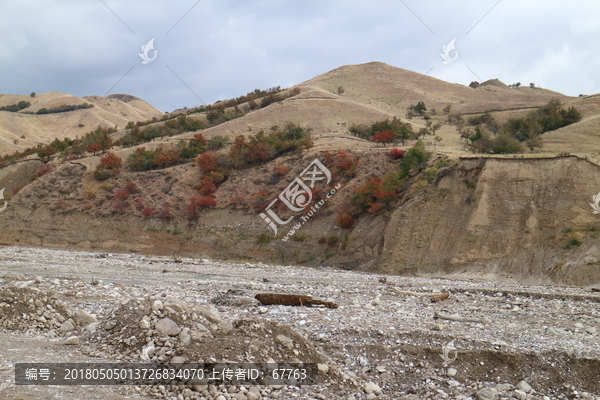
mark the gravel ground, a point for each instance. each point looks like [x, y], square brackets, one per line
[531, 342]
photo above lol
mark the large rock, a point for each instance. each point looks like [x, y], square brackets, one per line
[177, 305]
[73, 340]
[524, 386]
[286, 341]
[168, 327]
[208, 312]
[84, 317]
[487, 394]
[185, 337]
[67, 326]
[371, 387]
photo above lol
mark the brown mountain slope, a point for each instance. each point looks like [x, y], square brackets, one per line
[493, 216]
[484, 219]
[20, 130]
[376, 91]
[392, 89]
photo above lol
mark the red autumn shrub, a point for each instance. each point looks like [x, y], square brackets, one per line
[328, 157]
[139, 202]
[344, 161]
[121, 194]
[199, 139]
[111, 161]
[386, 195]
[165, 157]
[165, 211]
[374, 189]
[383, 137]
[344, 219]
[207, 188]
[45, 169]
[206, 201]
[375, 208]
[198, 203]
[396, 154]
[93, 148]
[148, 211]
[214, 177]
[260, 200]
[236, 150]
[258, 152]
[280, 170]
[120, 207]
[131, 187]
[208, 162]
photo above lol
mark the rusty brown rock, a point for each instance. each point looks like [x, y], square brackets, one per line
[440, 297]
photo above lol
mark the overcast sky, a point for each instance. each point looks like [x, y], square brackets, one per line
[210, 50]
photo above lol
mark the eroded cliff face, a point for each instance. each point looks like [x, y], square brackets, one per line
[501, 217]
[514, 218]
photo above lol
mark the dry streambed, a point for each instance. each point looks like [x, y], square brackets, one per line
[382, 342]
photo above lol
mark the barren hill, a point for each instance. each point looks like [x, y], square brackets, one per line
[20, 130]
[523, 216]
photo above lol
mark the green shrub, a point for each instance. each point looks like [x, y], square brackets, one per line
[264, 238]
[306, 258]
[64, 108]
[16, 107]
[217, 142]
[518, 130]
[429, 174]
[300, 236]
[572, 243]
[400, 131]
[443, 162]
[332, 240]
[415, 157]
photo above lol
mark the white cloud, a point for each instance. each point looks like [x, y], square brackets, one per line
[226, 48]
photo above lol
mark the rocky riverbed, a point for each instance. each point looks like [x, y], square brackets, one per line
[488, 341]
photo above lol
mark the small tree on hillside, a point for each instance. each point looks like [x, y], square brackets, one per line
[420, 108]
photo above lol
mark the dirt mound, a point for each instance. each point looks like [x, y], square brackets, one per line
[30, 309]
[157, 331]
[171, 331]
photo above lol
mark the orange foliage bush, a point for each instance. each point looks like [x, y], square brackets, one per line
[111, 161]
[208, 162]
[344, 219]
